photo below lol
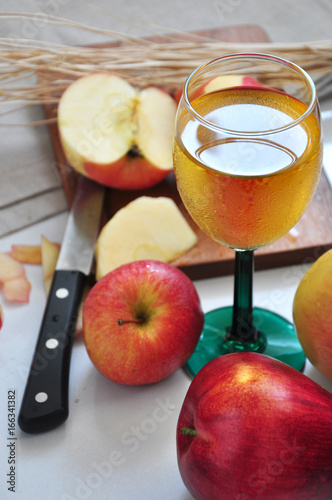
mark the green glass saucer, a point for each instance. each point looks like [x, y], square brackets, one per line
[280, 339]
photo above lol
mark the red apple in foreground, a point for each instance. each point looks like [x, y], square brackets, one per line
[252, 428]
[142, 322]
[116, 134]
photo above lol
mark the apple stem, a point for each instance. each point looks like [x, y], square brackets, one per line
[188, 432]
[125, 321]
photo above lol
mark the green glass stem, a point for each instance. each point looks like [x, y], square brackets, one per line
[241, 327]
[242, 335]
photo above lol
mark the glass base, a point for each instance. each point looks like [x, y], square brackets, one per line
[280, 339]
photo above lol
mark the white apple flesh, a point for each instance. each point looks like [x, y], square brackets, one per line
[146, 228]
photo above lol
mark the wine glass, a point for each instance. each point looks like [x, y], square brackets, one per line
[247, 160]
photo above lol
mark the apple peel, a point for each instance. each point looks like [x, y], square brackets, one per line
[146, 228]
[17, 289]
[27, 254]
[15, 286]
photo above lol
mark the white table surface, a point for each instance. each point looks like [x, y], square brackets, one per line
[108, 423]
[111, 447]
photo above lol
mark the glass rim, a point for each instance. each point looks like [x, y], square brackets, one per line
[251, 55]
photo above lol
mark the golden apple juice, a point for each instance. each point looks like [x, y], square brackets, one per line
[246, 191]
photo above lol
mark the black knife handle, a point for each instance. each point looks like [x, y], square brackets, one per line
[45, 401]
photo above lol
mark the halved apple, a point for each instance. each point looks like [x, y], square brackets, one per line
[15, 286]
[116, 134]
[146, 228]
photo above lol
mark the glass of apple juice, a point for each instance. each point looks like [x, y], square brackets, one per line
[247, 160]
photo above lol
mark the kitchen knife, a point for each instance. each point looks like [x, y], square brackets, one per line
[45, 401]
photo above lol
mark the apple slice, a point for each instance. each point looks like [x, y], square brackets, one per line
[15, 286]
[17, 289]
[146, 228]
[28, 254]
[50, 253]
[116, 134]
[10, 268]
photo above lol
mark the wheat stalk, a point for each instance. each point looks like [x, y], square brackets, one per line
[35, 72]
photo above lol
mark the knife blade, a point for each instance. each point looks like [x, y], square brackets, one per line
[45, 401]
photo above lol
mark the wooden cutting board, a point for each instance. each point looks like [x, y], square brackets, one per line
[311, 237]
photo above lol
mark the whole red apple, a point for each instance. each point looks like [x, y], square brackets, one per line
[141, 322]
[252, 428]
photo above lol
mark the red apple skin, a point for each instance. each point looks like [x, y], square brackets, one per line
[177, 94]
[249, 81]
[133, 172]
[264, 431]
[133, 353]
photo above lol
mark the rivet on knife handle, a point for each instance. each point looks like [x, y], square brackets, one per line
[45, 401]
